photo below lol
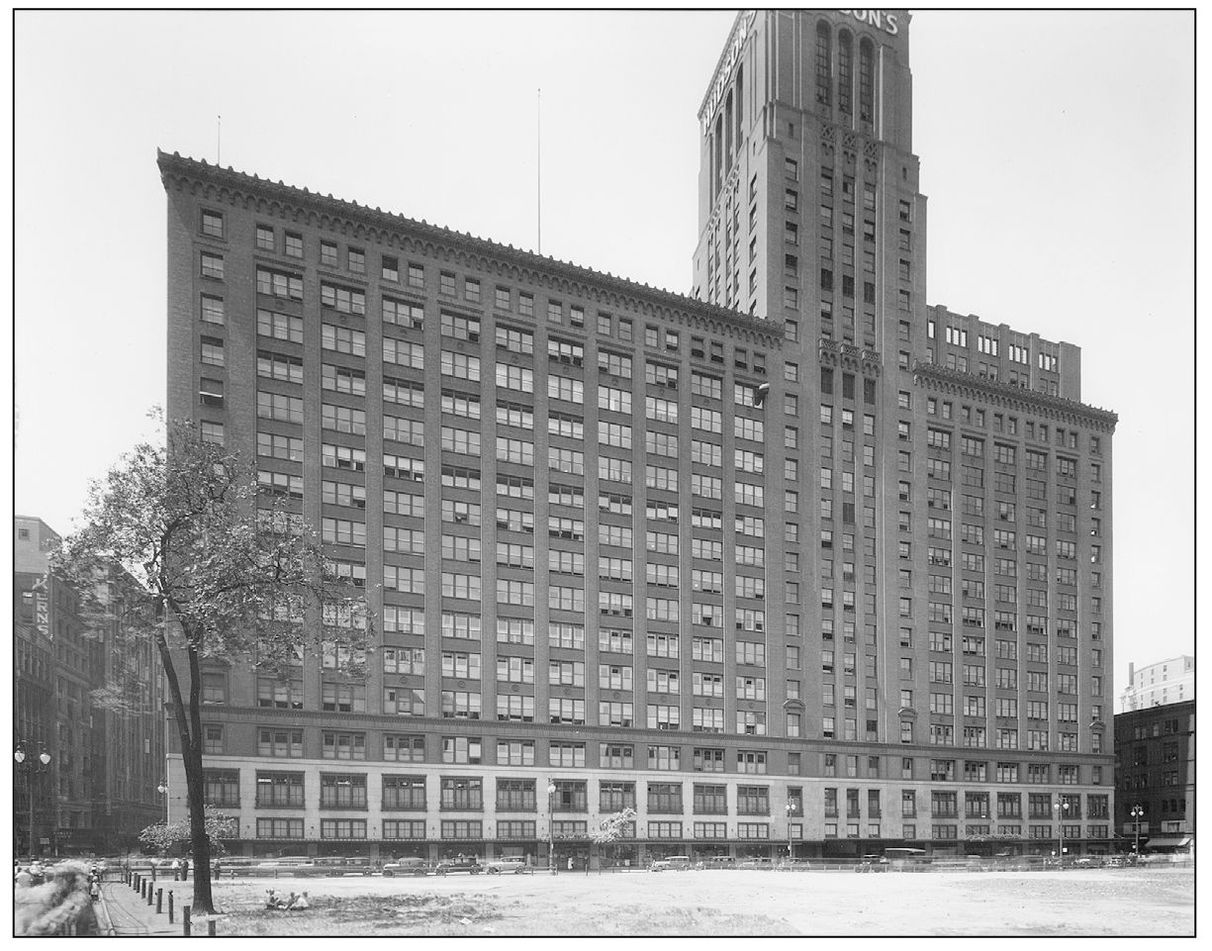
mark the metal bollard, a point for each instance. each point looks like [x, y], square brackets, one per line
[170, 908]
[142, 887]
[150, 895]
[160, 900]
[210, 928]
[185, 921]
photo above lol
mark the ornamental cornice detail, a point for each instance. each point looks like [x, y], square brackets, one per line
[1013, 397]
[363, 223]
[848, 356]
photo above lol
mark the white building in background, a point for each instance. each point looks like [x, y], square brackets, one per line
[1168, 681]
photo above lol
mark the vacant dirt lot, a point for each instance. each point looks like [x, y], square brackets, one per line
[1071, 903]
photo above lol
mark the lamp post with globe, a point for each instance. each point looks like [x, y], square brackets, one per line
[1137, 811]
[551, 791]
[1061, 808]
[31, 766]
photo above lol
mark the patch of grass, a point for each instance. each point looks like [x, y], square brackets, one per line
[431, 914]
[368, 915]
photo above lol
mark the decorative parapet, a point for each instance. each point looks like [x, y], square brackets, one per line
[850, 357]
[956, 382]
[374, 224]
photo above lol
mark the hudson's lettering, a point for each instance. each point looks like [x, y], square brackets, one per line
[725, 73]
[878, 19]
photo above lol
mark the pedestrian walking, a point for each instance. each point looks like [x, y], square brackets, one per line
[185, 870]
[570, 863]
[176, 869]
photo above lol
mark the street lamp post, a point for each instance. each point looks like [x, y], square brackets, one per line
[551, 791]
[31, 766]
[1062, 809]
[1137, 811]
[790, 807]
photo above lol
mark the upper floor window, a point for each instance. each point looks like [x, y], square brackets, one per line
[212, 224]
[866, 81]
[824, 55]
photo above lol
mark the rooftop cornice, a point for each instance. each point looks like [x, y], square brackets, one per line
[1006, 394]
[692, 309]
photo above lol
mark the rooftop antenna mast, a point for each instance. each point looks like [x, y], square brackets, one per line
[219, 142]
[539, 155]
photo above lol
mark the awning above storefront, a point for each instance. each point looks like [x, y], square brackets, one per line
[1168, 842]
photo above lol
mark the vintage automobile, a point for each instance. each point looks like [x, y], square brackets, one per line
[508, 864]
[415, 867]
[466, 863]
[872, 863]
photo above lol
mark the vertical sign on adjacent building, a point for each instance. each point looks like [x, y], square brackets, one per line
[41, 606]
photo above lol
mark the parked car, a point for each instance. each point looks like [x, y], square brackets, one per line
[679, 862]
[469, 864]
[406, 867]
[340, 865]
[508, 864]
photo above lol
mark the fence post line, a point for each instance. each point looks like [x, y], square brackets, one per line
[185, 921]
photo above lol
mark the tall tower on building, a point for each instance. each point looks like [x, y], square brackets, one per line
[951, 491]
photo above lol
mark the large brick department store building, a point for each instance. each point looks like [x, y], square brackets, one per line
[795, 558]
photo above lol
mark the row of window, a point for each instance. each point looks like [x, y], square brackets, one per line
[288, 743]
[352, 300]
[507, 830]
[404, 792]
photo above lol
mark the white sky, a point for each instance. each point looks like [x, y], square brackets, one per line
[1057, 156]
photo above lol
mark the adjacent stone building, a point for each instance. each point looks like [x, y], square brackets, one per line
[106, 759]
[1155, 769]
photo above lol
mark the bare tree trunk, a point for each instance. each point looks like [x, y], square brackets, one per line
[195, 788]
[189, 729]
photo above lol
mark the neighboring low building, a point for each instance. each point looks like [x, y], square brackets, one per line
[106, 759]
[1168, 681]
[1155, 769]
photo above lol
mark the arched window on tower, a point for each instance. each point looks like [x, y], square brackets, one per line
[845, 72]
[719, 157]
[823, 58]
[740, 102]
[866, 81]
[728, 133]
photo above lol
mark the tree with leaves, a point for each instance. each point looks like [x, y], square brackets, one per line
[612, 828]
[224, 573]
[168, 837]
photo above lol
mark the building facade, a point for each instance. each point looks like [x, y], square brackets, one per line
[1155, 770]
[792, 562]
[106, 757]
[1166, 682]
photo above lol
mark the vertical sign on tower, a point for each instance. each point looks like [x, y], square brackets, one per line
[41, 606]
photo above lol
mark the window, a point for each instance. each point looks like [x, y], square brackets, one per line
[212, 224]
[212, 265]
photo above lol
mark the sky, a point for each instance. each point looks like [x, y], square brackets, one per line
[1057, 161]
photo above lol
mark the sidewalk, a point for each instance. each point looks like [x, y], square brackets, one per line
[126, 913]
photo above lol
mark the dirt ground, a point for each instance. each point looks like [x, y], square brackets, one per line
[1094, 902]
